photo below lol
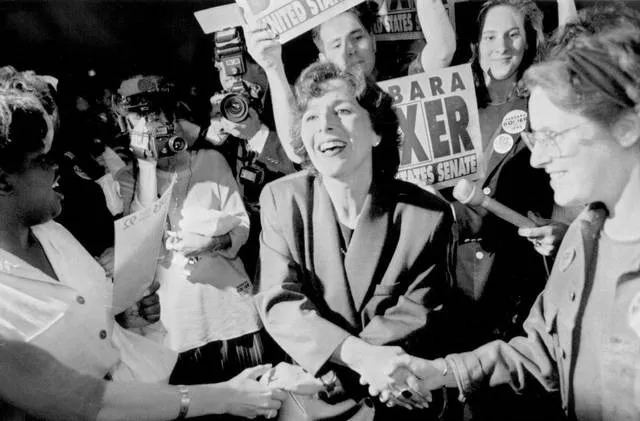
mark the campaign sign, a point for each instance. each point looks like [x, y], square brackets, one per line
[290, 18]
[441, 140]
[398, 20]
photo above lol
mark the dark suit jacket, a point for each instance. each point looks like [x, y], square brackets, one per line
[274, 163]
[274, 157]
[390, 286]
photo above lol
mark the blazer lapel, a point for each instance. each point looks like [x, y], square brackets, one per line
[575, 260]
[327, 253]
[363, 255]
[590, 227]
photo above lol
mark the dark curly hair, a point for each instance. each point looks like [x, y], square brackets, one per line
[533, 32]
[610, 34]
[313, 83]
[29, 81]
[23, 127]
[366, 13]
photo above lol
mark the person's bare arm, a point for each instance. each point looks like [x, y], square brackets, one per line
[439, 34]
[266, 50]
[34, 381]
[566, 11]
[243, 396]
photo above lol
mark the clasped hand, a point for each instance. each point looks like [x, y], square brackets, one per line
[191, 244]
[382, 368]
[249, 398]
[144, 312]
[421, 376]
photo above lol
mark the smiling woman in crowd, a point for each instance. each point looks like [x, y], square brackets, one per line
[57, 297]
[347, 281]
[583, 333]
[348, 41]
[500, 271]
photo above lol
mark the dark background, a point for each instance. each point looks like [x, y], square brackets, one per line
[119, 38]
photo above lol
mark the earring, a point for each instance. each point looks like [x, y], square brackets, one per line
[377, 143]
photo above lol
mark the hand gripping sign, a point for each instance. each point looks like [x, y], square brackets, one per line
[440, 126]
[290, 18]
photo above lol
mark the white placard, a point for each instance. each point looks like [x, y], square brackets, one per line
[290, 18]
[217, 18]
[138, 238]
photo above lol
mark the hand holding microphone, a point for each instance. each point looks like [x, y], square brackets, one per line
[469, 193]
[545, 234]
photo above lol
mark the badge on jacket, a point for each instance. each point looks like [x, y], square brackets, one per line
[566, 259]
[633, 314]
[515, 121]
[503, 143]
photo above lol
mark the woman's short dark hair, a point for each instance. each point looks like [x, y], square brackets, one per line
[312, 83]
[23, 127]
[532, 19]
[366, 13]
[606, 39]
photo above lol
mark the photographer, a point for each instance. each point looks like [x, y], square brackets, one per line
[241, 129]
[205, 293]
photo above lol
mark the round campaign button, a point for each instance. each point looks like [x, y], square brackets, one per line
[503, 143]
[515, 121]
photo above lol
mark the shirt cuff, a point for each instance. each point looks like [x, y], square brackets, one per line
[257, 142]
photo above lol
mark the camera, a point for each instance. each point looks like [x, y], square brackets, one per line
[158, 142]
[235, 102]
[229, 51]
[147, 96]
[143, 94]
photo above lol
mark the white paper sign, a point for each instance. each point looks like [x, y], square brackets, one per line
[290, 18]
[138, 238]
[220, 17]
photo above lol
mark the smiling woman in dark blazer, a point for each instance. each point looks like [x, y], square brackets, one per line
[355, 265]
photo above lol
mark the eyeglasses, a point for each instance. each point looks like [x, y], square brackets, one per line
[547, 140]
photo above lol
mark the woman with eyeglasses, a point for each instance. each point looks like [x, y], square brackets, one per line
[583, 333]
[500, 269]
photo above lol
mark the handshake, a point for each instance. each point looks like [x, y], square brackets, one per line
[398, 378]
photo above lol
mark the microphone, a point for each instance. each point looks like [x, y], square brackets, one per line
[469, 193]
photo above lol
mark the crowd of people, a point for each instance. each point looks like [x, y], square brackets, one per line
[297, 277]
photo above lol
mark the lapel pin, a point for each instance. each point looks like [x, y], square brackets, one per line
[566, 259]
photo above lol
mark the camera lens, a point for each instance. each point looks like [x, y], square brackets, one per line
[234, 107]
[177, 144]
